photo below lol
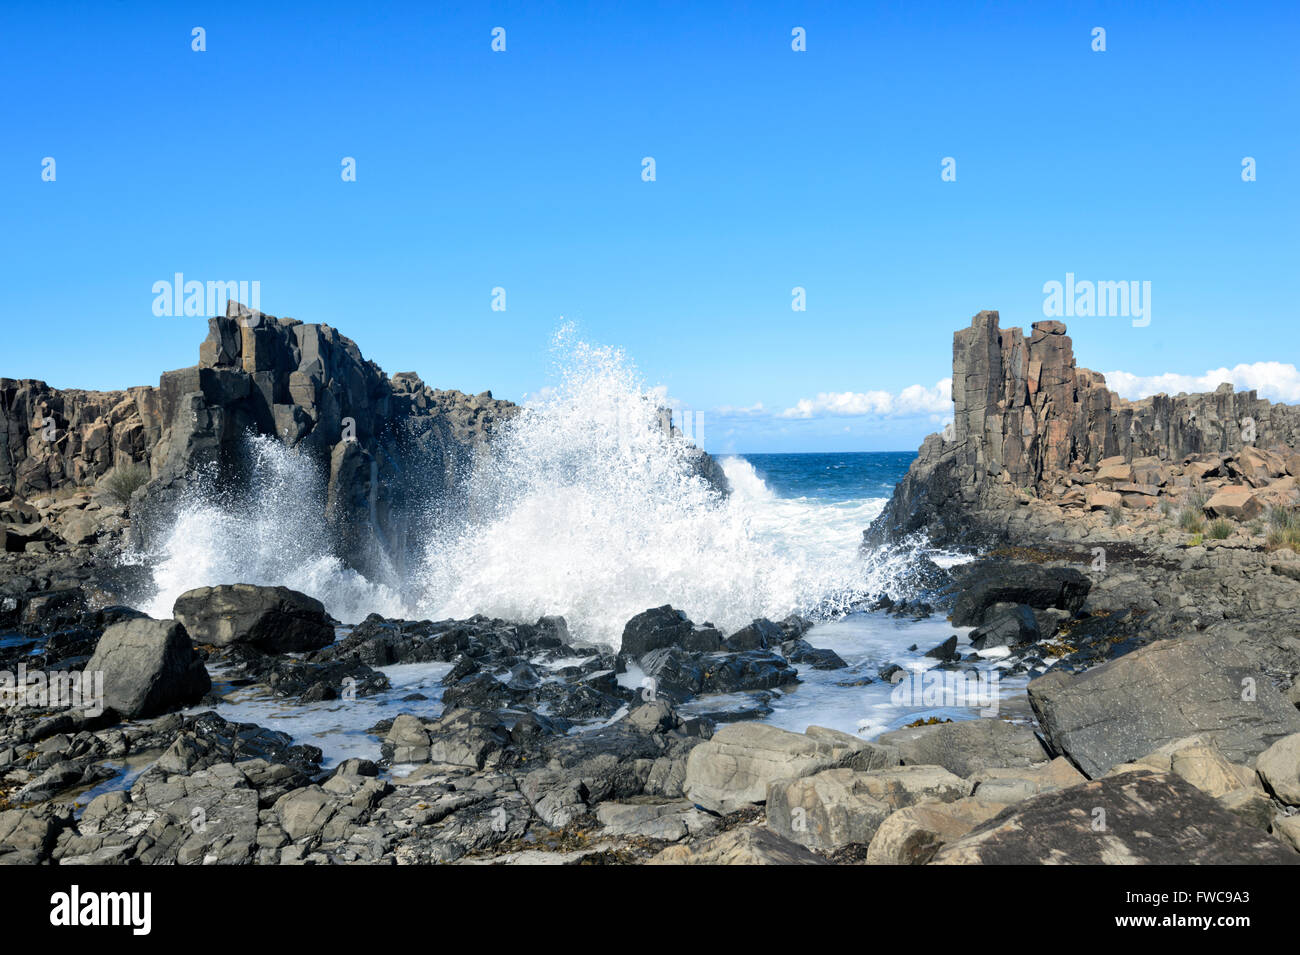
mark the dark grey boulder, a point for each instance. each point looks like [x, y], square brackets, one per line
[149, 666]
[759, 635]
[655, 629]
[1010, 628]
[272, 619]
[1062, 588]
[1200, 685]
[945, 652]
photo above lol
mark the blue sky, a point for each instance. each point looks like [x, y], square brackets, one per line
[774, 169]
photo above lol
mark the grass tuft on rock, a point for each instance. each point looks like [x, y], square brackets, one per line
[123, 481]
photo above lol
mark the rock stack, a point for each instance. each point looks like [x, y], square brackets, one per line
[383, 445]
[1028, 421]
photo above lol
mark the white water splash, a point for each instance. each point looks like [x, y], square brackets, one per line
[585, 508]
[272, 535]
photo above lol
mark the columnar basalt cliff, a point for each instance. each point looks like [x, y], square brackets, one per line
[383, 445]
[51, 438]
[1029, 422]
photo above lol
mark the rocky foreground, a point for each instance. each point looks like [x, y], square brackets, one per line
[1160, 726]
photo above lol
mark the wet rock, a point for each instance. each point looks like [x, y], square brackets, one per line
[663, 627]
[1012, 628]
[945, 652]
[759, 635]
[802, 653]
[272, 619]
[748, 670]
[306, 682]
[1034, 585]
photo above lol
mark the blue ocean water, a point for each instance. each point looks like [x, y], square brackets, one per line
[834, 478]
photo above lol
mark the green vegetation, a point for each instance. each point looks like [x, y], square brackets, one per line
[1220, 529]
[121, 482]
[1189, 519]
[1284, 528]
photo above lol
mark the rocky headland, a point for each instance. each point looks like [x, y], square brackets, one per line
[1133, 558]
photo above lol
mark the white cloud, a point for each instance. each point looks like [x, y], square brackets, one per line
[912, 400]
[731, 411]
[1273, 380]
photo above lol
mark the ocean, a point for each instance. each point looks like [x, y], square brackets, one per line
[804, 514]
[586, 509]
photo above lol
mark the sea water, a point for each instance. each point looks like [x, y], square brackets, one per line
[586, 509]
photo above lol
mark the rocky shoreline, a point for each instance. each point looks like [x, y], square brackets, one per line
[1160, 723]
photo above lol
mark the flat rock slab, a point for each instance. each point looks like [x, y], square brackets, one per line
[1136, 818]
[967, 746]
[1171, 689]
[733, 769]
[750, 845]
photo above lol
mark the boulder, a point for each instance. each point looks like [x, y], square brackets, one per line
[149, 667]
[1200, 763]
[668, 821]
[945, 652]
[838, 807]
[1115, 474]
[747, 845]
[662, 628]
[734, 768]
[407, 740]
[967, 746]
[1013, 785]
[1191, 686]
[1011, 628]
[1279, 768]
[1234, 501]
[759, 635]
[1040, 587]
[1095, 499]
[912, 835]
[1130, 819]
[1287, 829]
[272, 619]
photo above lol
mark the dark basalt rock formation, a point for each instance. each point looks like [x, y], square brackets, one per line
[1026, 417]
[384, 447]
